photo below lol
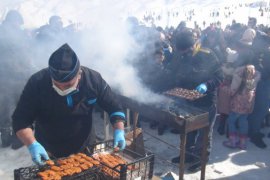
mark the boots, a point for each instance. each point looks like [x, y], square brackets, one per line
[5, 136]
[222, 124]
[188, 159]
[242, 144]
[257, 140]
[175, 131]
[161, 128]
[153, 124]
[267, 120]
[231, 143]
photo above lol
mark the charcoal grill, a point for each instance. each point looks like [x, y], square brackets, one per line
[30, 173]
[176, 113]
[139, 166]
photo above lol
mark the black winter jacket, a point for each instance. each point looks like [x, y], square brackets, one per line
[191, 70]
[63, 124]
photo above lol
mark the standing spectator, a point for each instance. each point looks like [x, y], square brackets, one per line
[223, 94]
[242, 101]
[203, 65]
[261, 106]
[52, 31]
[14, 42]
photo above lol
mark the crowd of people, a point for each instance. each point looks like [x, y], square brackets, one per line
[230, 66]
[19, 50]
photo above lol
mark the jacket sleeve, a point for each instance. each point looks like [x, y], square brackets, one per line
[237, 80]
[26, 110]
[257, 78]
[217, 76]
[108, 101]
[265, 65]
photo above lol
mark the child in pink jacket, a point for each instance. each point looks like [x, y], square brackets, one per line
[243, 88]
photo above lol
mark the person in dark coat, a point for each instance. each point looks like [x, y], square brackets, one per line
[54, 113]
[14, 43]
[261, 106]
[195, 67]
[52, 31]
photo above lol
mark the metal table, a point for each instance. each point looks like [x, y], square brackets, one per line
[183, 124]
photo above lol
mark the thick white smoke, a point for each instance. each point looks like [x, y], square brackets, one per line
[105, 44]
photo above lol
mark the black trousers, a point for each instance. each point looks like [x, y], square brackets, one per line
[195, 138]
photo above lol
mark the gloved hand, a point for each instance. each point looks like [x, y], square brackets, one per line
[119, 139]
[37, 151]
[202, 88]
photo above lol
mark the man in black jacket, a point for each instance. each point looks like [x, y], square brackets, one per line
[197, 68]
[58, 102]
[13, 58]
[261, 106]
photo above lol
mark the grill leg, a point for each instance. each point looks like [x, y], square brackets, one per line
[204, 151]
[128, 119]
[106, 126]
[135, 121]
[183, 138]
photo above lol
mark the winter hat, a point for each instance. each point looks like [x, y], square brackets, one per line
[64, 64]
[184, 40]
[248, 36]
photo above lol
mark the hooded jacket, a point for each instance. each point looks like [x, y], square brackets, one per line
[242, 102]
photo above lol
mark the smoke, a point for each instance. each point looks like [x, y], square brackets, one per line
[108, 48]
[101, 40]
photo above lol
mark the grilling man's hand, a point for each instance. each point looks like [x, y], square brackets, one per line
[37, 152]
[202, 88]
[119, 139]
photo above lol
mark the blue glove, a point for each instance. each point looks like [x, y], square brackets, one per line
[202, 88]
[37, 151]
[119, 139]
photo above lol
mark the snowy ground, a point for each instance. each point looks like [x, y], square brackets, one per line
[225, 164]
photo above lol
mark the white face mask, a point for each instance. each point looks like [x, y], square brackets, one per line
[66, 91]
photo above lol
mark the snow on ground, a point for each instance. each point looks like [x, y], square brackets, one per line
[12, 159]
[225, 164]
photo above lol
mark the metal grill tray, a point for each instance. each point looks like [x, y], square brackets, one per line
[141, 167]
[179, 107]
[184, 93]
[30, 173]
[138, 165]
